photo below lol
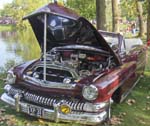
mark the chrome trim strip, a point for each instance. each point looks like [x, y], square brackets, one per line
[48, 84]
[81, 47]
[59, 66]
[78, 117]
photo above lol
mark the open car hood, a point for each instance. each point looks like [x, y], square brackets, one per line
[65, 27]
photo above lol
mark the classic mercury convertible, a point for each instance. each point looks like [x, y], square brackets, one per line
[80, 73]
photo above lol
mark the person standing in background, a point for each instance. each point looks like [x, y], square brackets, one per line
[133, 28]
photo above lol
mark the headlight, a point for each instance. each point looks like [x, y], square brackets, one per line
[36, 75]
[11, 78]
[90, 92]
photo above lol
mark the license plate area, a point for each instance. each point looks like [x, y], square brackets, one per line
[35, 111]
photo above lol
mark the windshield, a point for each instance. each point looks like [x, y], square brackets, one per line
[112, 40]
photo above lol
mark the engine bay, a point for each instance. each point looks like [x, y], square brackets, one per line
[67, 63]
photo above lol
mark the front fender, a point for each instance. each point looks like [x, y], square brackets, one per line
[109, 83]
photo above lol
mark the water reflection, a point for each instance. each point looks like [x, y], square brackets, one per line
[17, 47]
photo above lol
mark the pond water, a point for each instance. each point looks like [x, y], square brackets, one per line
[17, 47]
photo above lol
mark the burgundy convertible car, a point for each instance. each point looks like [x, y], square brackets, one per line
[80, 73]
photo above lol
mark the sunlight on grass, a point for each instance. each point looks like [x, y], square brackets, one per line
[137, 114]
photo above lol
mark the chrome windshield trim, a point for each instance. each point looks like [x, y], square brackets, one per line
[48, 84]
[80, 47]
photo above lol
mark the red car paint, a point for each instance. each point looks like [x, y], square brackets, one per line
[77, 58]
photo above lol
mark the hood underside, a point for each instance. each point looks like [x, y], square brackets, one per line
[65, 27]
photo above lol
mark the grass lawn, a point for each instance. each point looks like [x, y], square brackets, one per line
[134, 111]
[6, 27]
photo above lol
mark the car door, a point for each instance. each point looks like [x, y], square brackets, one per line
[126, 57]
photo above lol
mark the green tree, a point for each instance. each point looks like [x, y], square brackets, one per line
[19, 8]
[133, 9]
[7, 10]
[140, 17]
[86, 8]
[101, 14]
[128, 9]
[115, 16]
[148, 20]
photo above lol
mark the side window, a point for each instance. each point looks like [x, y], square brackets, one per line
[113, 42]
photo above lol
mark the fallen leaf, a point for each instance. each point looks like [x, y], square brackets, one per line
[148, 97]
[147, 102]
[115, 120]
[1, 122]
[11, 123]
[124, 114]
[2, 110]
[41, 121]
[8, 119]
[143, 109]
[28, 124]
[130, 101]
[142, 122]
[147, 108]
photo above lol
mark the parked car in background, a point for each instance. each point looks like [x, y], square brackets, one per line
[80, 73]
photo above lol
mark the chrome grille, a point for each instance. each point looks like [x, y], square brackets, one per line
[14, 91]
[75, 104]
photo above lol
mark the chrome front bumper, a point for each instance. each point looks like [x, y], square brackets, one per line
[56, 115]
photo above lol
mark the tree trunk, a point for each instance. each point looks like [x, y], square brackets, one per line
[140, 18]
[115, 16]
[100, 14]
[148, 20]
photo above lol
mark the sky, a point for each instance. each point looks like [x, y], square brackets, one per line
[3, 2]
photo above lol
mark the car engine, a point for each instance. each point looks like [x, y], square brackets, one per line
[72, 62]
